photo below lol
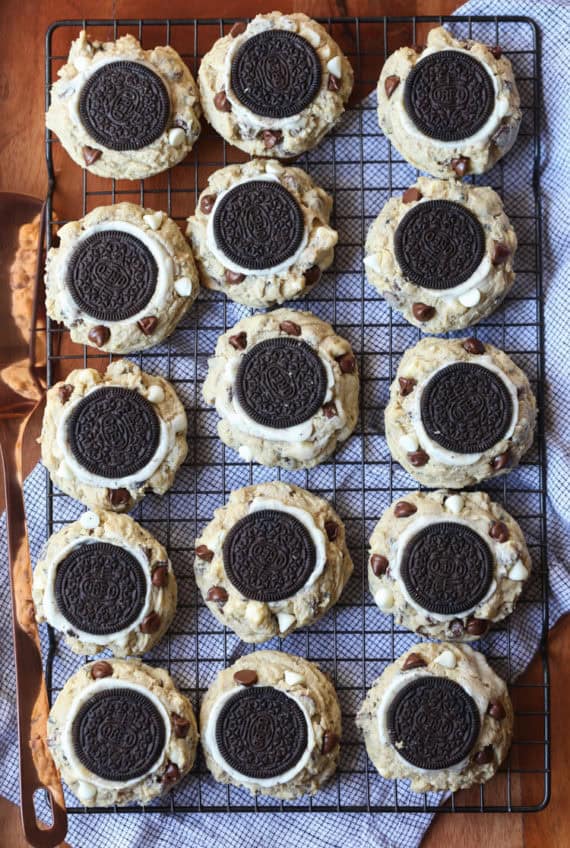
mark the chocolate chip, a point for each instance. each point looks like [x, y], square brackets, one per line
[473, 345]
[456, 628]
[313, 275]
[271, 138]
[330, 741]
[233, 278]
[172, 773]
[238, 29]
[413, 661]
[207, 203]
[148, 325]
[203, 552]
[160, 576]
[391, 84]
[222, 103]
[347, 363]
[423, 312]
[239, 342]
[90, 154]
[411, 195]
[407, 385]
[378, 564]
[180, 725]
[246, 677]
[329, 409]
[150, 623]
[501, 461]
[477, 626]
[217, 594]
[290, 327]
[119, 497]
[496, 51]
[331, 528]
[499, 531]
[418, 458]
[460, 165]
[501, 253]
[404, 508]
[333, 83]
[484, 756]
[496, 710]
[101, 669]
[99, 335]
[64, 392]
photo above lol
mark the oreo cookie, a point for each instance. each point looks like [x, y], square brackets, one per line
[124, 105]
[466, 408]
[281, 383]
[113, 432]
[449, 95]
[258, 225]
[100, 588]
[433, 723]
[269, 555]
[276, 74]
[447, 568]
[261, 732]
[118, 734]
[439, 244]
[111, 275]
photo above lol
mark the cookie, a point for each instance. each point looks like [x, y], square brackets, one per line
[275, 86]
[285, 387]
[108, 439]
[105, 582]
[124, 112]
[460, 411]
[121, 732]
[439, 717]
[442, 254]
[121, 278]
[273, 559]
[271, 723]
[451, 108]
[261, 233]
[447, 566]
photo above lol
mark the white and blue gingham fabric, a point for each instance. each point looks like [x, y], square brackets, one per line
[359, 830]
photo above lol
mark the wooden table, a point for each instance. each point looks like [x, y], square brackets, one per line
[23, 24]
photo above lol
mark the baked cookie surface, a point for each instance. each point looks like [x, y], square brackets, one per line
[439, 717]
[273, 559]
[442, 254]
[121, 732]
[261, 233]
[124, 112]
[447, 565]
[108, 439]
[271, 723]
[276, 86]
[285, 387]
[450, 109]
[460, 411]
[121, 278]
[105, 582]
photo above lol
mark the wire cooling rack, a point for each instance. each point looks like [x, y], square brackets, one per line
[355, 641]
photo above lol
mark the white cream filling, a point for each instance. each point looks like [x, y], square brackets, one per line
[67, 735]
[212, 745]
[241, 269]
[482, 136]
[447, 457]
[161, 256]
[56, 618]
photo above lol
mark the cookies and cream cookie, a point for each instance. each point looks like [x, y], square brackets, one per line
[460, 411]
[121, 278]
[108, 439]
[271, 723]
[285, 387]
[275, 86]
[439, 717]
[121, 732]
[273, 559]
[451, 108]
[105, 582]
[124, 112]
[447, 565]
[261, 233]
[442, 254]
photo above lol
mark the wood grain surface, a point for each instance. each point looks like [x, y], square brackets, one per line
[23, 24]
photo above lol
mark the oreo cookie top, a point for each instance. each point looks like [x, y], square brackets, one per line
[449, 95]
[118, 734]
[466, 408]
[433, 722]
[258, 224]
[447, 568]
[111, 275]
[113, 432]
[276, 74]
[439, 244]
[100, 588]
[269, 555]
[261, 732]
[124, 105]
[281, 383]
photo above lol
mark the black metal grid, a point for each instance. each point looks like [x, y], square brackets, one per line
[354, 642]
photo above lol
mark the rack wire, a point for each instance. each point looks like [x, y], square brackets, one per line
[355, 641]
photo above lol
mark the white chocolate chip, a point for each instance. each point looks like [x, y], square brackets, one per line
[384, 598]
[334, 67]
[292, 678]
[470, 298]
[245, 453]
[446, 659]
[518, 572]
[65, 471]
[155, 394]
[273, 167]
[254, 612]
[85, 791]
[285, 621]
[373, 263]
[81, 63]
[154, 220]
[312, 37]
[89, 520]
[454, 503]
[176, 137]
[183, 286]
[409, 442]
